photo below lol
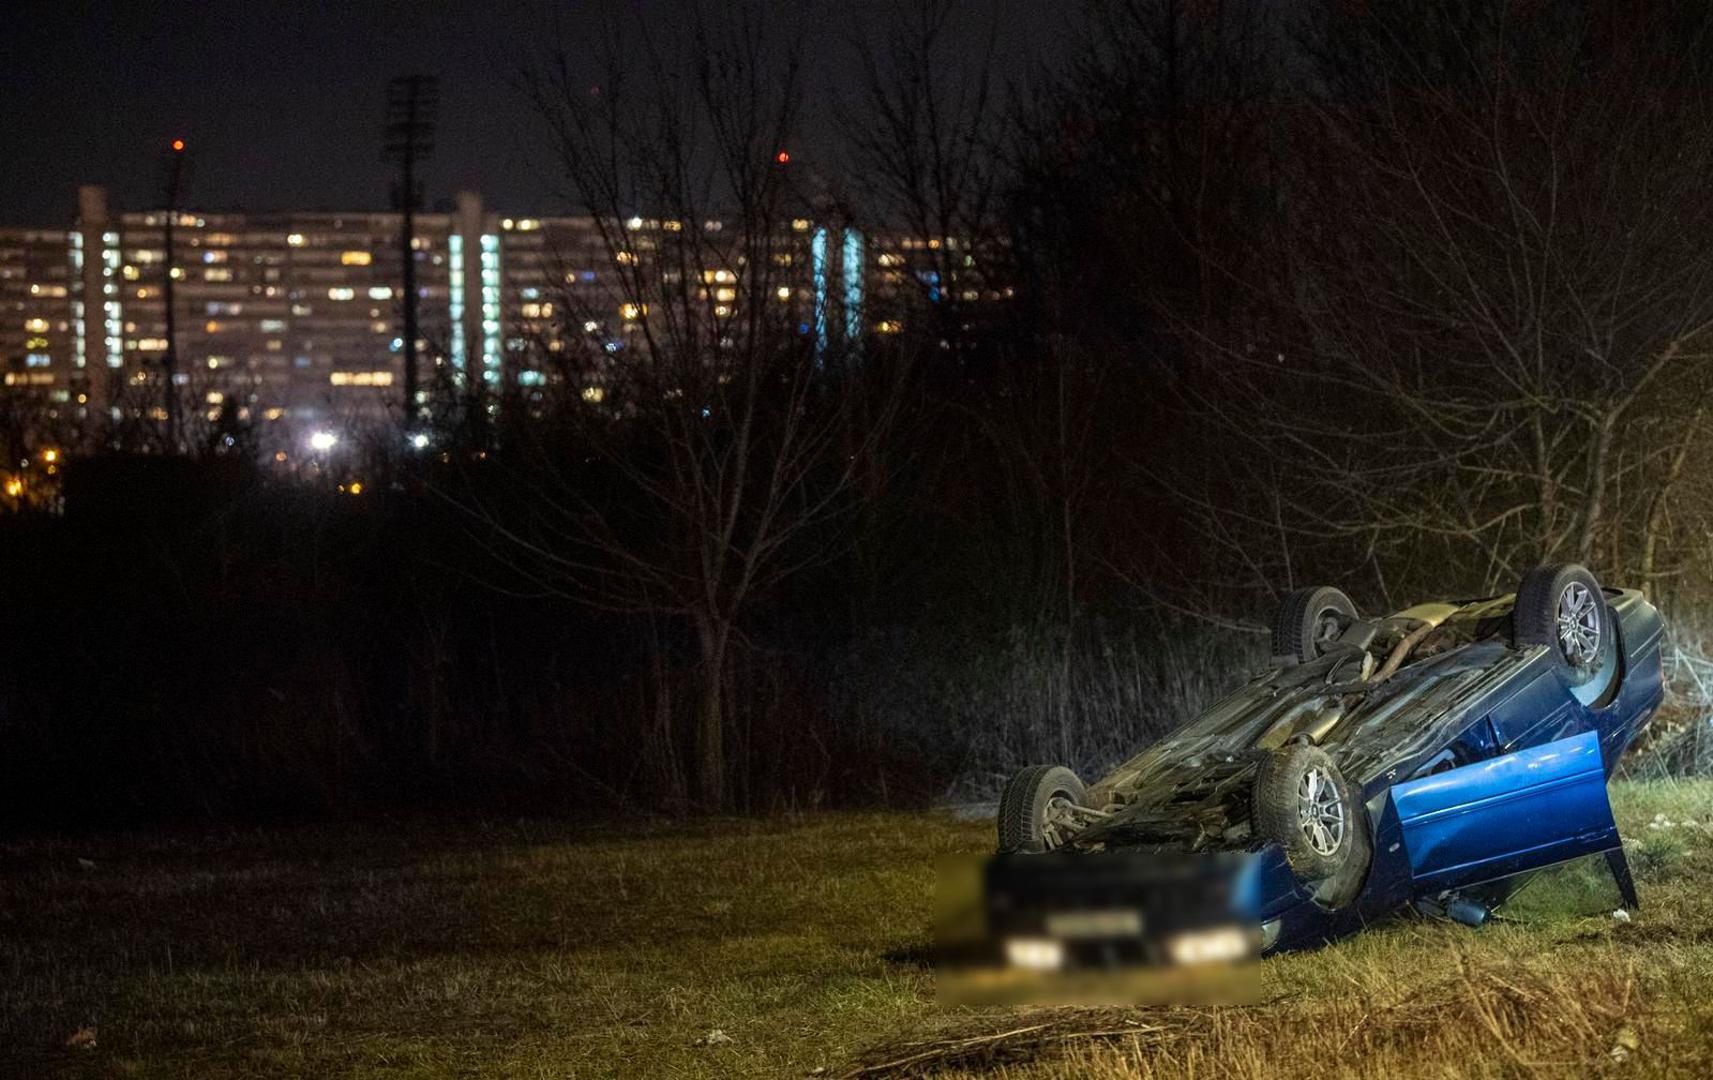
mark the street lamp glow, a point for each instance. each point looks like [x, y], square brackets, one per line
[419, 440]
[322, 440]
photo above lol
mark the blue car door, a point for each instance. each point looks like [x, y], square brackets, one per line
[1512, 812]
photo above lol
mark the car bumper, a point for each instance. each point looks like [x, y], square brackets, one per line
[1106, 910]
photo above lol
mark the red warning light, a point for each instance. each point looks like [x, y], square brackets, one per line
[783, 157]
[178, 146]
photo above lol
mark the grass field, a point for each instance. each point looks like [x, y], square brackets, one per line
[543, 950]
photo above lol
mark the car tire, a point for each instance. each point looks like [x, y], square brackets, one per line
[1307, 620]
[1024, 826]
[1584, 646]
[1302, 803]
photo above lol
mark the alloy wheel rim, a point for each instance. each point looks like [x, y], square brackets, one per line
[1578, 624]
[1320, 811]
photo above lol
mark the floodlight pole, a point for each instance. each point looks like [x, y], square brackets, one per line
[411, 102]
[407, 248]
[169, 360]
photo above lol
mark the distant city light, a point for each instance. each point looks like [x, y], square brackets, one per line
[178, 146]
[783, 157]
[419, 440]
[322, 440]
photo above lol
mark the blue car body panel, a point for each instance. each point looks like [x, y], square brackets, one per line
[1512, 813]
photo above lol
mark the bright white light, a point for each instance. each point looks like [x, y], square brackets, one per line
[322, 440]
[1036, 954]
[419, 440]
[1210, 946]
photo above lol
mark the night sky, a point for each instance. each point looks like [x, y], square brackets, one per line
[282, 103]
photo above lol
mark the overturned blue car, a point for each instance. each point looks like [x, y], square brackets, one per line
[1432, 758]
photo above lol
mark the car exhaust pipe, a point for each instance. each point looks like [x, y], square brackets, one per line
[1467, 912]
[1400, 652]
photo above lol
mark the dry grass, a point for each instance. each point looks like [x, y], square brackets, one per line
[532, 950]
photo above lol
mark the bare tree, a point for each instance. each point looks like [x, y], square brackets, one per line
[694, 449]
[923, 135]
[1147, 180]
[1495, 346]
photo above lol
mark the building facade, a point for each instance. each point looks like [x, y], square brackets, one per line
[291, 322]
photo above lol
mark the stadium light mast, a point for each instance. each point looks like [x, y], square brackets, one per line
[412, 101]
[169, 359]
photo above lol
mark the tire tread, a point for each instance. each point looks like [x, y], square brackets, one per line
[1021, 803]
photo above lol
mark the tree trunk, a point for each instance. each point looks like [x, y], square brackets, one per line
[671, 788]
[711, 728]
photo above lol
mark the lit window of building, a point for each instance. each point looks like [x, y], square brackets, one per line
[490, 303]
[360, 378]
[818, 280]
[455, 298]
[112, 307]
[852, 272]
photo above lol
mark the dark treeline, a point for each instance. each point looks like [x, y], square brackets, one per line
[1405, 298]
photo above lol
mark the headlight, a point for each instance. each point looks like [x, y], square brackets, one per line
[1223, 945]
[1036, 954]
[1270, 933]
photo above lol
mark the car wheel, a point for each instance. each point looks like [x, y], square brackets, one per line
[1303, 803]
[1035, 813]
[1308, 621]
[1561, 606]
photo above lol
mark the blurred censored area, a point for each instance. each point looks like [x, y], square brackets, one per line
[1110, 928]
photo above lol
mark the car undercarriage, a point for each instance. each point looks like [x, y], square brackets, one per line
[1427, 758]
